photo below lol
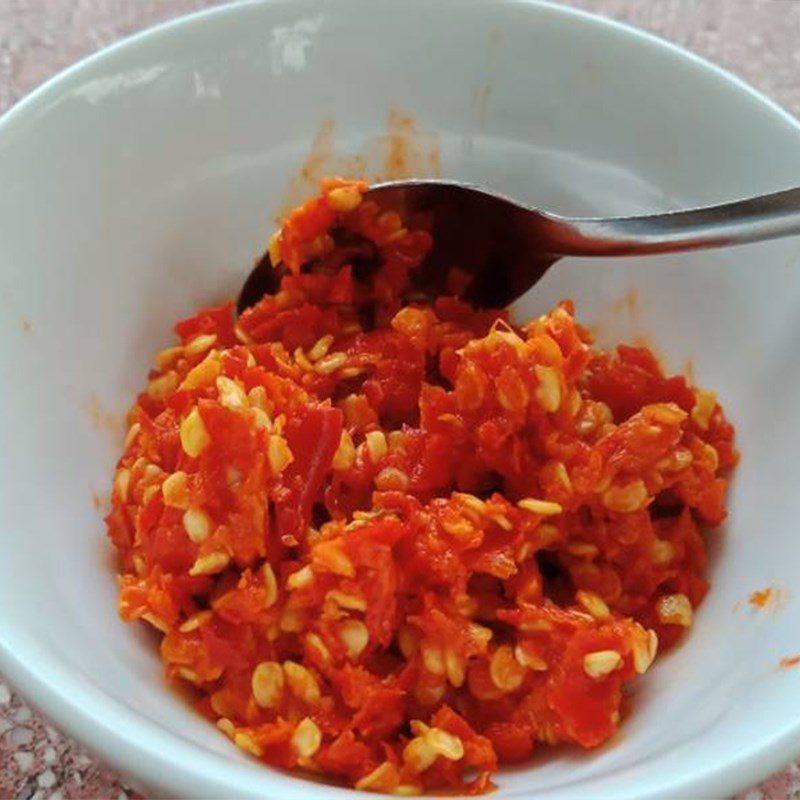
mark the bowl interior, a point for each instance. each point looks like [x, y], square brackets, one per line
[144, 182]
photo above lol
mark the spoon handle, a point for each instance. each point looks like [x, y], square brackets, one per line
[754, 219]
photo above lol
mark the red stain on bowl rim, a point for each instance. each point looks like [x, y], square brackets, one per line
[102, 419]
[629, 302]
[481, 96]
[769, 599]
[403, 151]
[321, 160]
[626, 306]
[760, 598]
[408, 152]
[321, 151]
[101, 503]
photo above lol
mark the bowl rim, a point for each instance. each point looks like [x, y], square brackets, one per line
[137, 746]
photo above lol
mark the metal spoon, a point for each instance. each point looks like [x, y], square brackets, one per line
[508, 247]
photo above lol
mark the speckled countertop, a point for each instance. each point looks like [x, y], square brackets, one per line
[757, 39]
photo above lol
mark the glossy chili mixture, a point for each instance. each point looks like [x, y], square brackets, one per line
[399, 545]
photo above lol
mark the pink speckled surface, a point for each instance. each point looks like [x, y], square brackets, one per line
[757, 39]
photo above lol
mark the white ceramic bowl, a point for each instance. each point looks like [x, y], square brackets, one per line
[143, 182]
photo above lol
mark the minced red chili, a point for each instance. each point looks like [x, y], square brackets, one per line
[400, 544]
